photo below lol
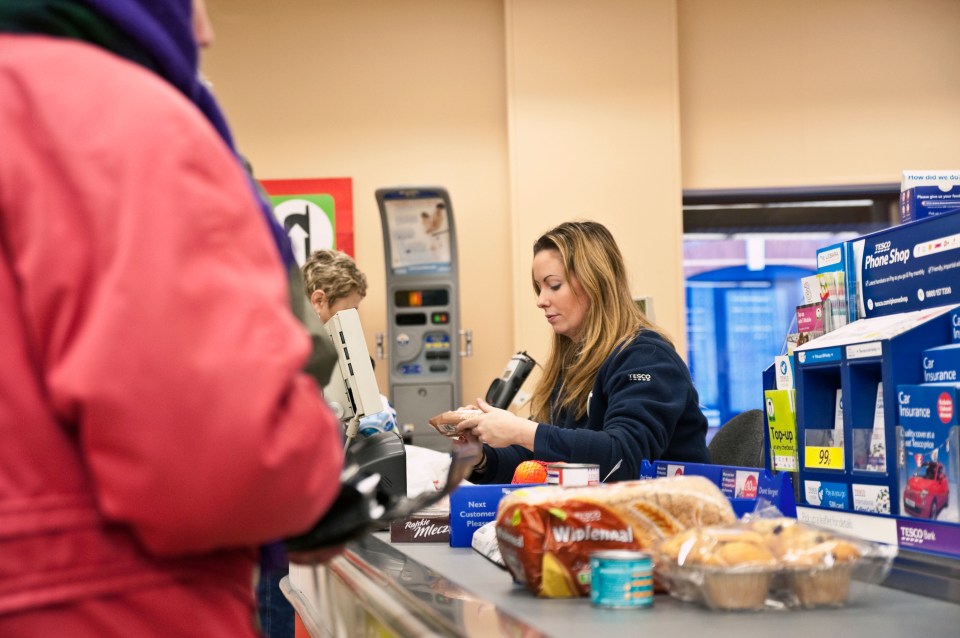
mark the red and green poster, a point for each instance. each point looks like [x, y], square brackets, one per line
[316, 213]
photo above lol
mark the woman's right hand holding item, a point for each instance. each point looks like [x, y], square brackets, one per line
[499, 428]
[446, 422]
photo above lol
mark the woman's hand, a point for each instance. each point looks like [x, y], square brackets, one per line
[446, 422]
[498, 428]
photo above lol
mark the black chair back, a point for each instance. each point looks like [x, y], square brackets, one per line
[739, 441]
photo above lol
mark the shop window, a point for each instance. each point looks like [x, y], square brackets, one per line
[744, 255]
[736, 323]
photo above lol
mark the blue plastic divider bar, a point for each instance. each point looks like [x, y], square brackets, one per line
[744, 486]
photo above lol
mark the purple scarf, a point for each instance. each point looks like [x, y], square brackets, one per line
[164, 31]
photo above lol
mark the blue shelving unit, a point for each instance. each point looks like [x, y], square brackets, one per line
[858, 369]
[908, 268]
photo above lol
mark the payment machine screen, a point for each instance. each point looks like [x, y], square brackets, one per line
[419, 235]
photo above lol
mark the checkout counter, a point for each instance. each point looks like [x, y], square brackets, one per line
[429, 589]
[378, 588]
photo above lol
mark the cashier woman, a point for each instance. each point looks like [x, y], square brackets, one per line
[613, 392]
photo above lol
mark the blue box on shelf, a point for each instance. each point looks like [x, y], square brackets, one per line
[926, 201]
[744, 486]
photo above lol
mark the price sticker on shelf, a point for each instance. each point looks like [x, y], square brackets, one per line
[823, 458]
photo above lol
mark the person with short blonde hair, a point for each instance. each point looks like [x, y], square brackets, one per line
[333, 282]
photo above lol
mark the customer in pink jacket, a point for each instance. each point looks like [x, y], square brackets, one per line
[155, 422]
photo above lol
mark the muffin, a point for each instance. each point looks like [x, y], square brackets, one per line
[731, 567]
[740, 567]
[675, 548]
[771, 526]
[669, 572]
[737, 571]
[821, 578]
[817, 565]
[736, 589]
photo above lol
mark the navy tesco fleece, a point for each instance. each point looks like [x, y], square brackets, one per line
[643, 406]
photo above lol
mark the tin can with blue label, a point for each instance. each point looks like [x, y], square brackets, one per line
[621, 579]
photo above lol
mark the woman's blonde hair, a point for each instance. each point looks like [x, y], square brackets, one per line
[588, 252]
[335, 273]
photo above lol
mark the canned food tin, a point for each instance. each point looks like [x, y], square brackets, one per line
[573, 474]
[621, 579]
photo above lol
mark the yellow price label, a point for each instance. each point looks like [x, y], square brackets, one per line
[824, 458]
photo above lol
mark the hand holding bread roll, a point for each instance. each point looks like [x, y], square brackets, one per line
[499, 428]
[446, 422]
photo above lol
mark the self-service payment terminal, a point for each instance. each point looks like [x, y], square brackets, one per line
[423, 308]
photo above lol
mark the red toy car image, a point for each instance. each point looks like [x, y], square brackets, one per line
[927, 491]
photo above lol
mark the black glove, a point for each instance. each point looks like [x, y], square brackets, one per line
[358, 504]
[362, 505]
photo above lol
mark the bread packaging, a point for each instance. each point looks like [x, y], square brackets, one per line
[546, 534]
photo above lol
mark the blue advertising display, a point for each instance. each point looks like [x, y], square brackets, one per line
[909, 267]
[746, 487]
[926, 201]
[929, 467]
[829, 495]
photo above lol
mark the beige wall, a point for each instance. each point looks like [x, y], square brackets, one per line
[594, 133]
[418, 92]
[533, 112]
[389, 94]
[818, 92]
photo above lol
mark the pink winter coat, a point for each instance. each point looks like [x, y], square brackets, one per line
[154, 423]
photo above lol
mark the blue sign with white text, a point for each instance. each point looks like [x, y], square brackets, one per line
[829, 495]
[824, 355]
[909, 267]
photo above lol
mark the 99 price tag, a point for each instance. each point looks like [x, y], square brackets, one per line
[824, 458]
